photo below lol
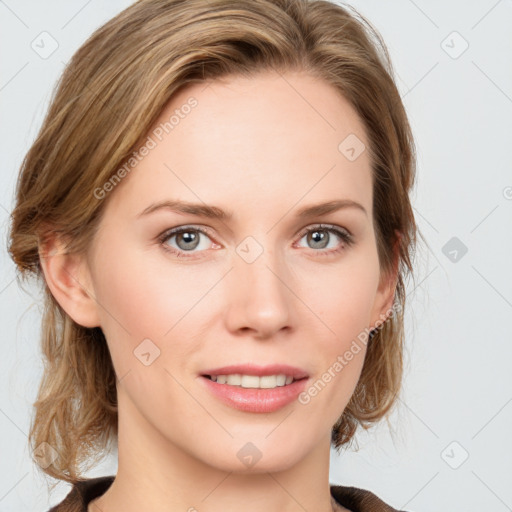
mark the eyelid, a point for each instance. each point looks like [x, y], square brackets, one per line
[321, 225]
[184, 227]
[168, 233]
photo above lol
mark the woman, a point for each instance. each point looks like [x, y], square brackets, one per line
[217, 207]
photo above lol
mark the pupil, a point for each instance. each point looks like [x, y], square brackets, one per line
[189, 238]
[319, 237]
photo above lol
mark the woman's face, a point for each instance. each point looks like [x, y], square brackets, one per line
[262, 285]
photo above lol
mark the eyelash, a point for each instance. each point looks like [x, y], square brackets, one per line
[345, 236]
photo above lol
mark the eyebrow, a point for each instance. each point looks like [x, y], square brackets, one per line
[214, 212]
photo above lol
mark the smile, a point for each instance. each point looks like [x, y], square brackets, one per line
[253, 381]
[264, 394]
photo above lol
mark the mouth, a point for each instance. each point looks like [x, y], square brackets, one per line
[254, 381]
[255, 389]
[254, 393]
[251, 376]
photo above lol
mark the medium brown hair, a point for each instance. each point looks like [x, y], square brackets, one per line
[110, 95]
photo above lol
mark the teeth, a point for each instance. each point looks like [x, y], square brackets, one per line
[253, 381]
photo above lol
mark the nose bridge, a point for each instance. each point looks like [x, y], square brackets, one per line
[260, 294]
[260, 265]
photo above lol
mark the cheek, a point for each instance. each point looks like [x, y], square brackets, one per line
[340, 346]
[144, 296]
[342, 296]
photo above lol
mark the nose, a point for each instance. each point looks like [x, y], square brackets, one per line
[259, 297]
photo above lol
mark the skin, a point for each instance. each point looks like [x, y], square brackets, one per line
[262, 147]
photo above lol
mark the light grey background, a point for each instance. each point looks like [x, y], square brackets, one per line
[451, 446]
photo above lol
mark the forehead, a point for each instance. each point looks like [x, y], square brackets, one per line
[270, 139]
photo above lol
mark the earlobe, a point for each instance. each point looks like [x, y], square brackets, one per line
[68, 278]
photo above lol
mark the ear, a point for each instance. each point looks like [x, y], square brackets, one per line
[69, 280]
[386, 290]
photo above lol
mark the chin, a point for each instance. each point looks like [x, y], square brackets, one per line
[253, 457]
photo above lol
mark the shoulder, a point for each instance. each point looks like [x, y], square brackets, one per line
[359, 500]
[82, 492]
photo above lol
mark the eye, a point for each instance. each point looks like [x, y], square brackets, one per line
[320, 236]
[187, 238]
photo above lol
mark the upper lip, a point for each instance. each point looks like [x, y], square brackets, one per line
[252, 369]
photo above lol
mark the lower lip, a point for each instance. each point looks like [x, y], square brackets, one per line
[255, 400]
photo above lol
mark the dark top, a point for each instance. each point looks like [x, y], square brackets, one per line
[84, 491]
